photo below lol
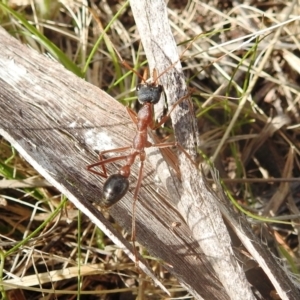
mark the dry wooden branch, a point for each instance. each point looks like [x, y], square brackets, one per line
[56, 121]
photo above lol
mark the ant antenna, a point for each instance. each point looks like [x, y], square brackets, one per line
[123, 62]
[126, 65]
[179, 59]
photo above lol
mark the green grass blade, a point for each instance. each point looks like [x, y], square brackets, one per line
[39, 228]
[89, 59]
[52, 48]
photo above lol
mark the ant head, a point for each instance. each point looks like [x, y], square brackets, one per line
[149, 91]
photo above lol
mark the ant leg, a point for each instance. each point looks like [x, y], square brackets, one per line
[181, 55]
[167, 117]
[116, 150]
[132, 114]
[176, 144]
[135, 197]
[102, 162]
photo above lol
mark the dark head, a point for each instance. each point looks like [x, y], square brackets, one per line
[148, 93]
[114, 189]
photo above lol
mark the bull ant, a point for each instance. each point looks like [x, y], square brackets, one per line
[117, 185]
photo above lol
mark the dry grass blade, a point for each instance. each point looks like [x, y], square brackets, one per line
[26, 183]
[284, 188]
[266, 132]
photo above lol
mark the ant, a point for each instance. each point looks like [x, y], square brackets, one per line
[117, 185]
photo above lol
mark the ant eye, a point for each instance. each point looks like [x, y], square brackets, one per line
[138, 87]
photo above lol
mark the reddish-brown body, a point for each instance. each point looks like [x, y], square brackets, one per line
[140, 140]
[117, 184]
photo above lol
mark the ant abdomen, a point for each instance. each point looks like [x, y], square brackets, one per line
[114, 189]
